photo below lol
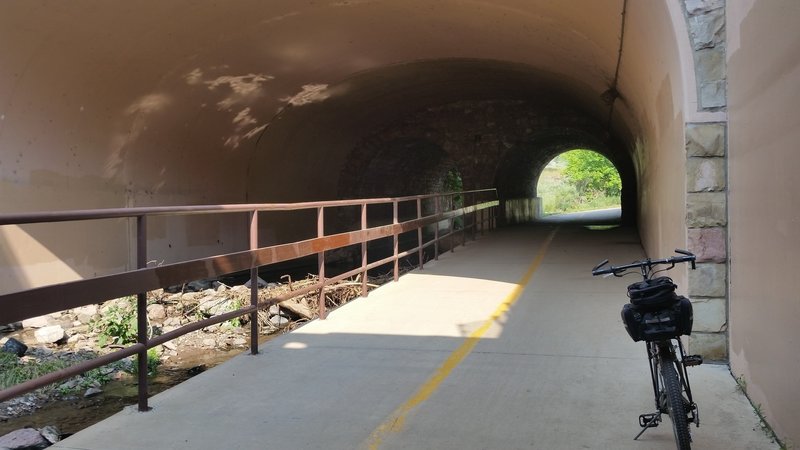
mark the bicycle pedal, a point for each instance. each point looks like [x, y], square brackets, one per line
[649, 420]
[692, 360]
[694, 414]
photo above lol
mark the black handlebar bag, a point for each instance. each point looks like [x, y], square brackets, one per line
[656, 293]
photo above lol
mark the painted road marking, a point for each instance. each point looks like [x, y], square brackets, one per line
[396, 420]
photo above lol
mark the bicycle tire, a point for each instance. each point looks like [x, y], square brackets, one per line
[676, 408]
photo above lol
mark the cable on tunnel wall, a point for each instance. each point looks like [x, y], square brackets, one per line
[612, 94]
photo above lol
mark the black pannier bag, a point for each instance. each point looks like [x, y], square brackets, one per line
[655, 293]
[648, 324]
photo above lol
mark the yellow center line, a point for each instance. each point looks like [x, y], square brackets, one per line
[396, 420]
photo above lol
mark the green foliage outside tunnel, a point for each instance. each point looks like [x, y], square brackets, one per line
[579, 180]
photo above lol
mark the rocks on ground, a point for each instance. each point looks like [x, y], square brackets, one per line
[30, 438]
[74, 334]
[16, 347]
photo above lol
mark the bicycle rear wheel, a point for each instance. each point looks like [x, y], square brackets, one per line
[676, 407]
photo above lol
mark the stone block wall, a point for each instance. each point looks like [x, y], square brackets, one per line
[489, 143]
[707, 181]
[706, 23]
[707, 236]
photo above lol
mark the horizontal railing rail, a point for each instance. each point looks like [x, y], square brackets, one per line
[478, 213]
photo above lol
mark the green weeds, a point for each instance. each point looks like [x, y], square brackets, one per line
[153, 361]
[14, 370]
[117, 324]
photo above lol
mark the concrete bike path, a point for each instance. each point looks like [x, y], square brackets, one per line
[508, 343]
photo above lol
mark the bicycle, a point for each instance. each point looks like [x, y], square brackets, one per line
[658, 316]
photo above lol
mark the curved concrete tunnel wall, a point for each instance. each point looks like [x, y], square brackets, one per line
[496, 123]
[172, 103]
[473, 110]
[193, 103]
[764, 75]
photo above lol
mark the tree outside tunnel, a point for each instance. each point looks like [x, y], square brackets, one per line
[579, 180]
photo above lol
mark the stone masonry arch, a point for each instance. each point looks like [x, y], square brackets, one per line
[501, 143]
[518, 175]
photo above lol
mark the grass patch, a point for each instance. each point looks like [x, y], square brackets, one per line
[14, 370]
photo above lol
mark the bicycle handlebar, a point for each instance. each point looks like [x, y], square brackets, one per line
[648, 264]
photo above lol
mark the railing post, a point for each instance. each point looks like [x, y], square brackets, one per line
[463, 220]
[474, 215]
[396, 241]
[364, 291]
[141, 312]
[452, 224]
[419, 234]
[481, 217]
[436, 203]
[321, 263]
[467, 217]
[254, 284]
[487, 219]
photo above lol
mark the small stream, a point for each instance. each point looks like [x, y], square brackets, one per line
[71, 416]
[76, 413]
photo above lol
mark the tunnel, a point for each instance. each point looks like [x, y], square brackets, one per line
[319, 101]
[106, 105]
[497, 124]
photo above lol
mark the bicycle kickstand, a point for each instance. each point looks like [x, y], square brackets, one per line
[648, 421]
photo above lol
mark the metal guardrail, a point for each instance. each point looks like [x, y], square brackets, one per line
[478, 213]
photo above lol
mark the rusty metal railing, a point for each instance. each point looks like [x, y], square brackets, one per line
[478, 213]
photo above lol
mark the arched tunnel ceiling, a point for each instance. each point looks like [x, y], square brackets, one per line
[109, 104]
[203, 101]
[321, 132]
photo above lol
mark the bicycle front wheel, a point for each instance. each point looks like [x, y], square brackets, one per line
[676, 408]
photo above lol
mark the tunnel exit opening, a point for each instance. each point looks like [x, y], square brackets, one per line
[579, 180]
